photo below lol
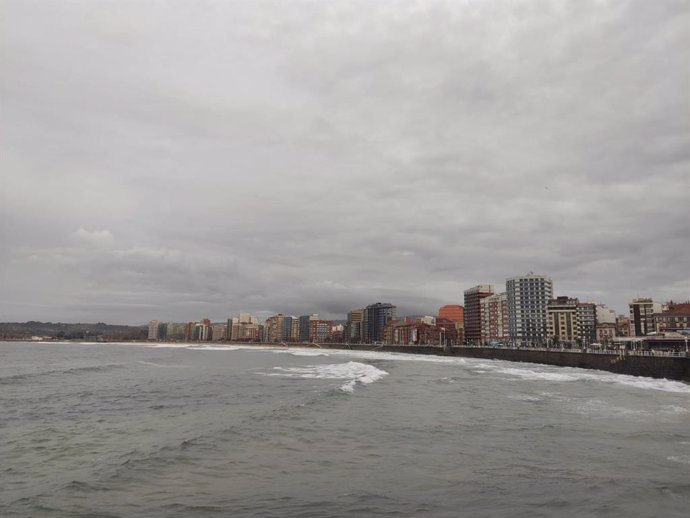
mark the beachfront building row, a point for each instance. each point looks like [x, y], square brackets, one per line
[518, 315]
[649, 317]
[526, 313]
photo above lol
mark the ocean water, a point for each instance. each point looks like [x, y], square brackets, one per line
[160, 431]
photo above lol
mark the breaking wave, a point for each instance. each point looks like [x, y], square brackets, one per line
[582, 375]
[475, 365]
[352, 372]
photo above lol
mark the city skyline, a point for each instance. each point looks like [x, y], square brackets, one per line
[314, 158]
[221, 315]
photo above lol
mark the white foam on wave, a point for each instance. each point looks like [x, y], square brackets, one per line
[524, 397]
[307, 352]
[598, 407]
[674, 409]
[648, 383]
[353, 372]
[410, 357]
[167, 345]
[564, 374]
[570, 375]
[296, 351]
[531, 374]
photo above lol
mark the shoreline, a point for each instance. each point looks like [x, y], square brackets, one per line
[646, 365]
[660, 367]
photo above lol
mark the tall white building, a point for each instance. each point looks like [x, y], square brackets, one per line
[587, 320]
[154, 329]
[528, 298]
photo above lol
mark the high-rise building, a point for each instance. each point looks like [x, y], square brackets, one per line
[354, 326]
[218, 332]
[286, 334]
[376, 316]
[563, 325]
[245, 327]
[294, 332]
[494, 318]
[473, 311]
[320, 330]
[174, 331]
[304, 327]
[200, 330]
[642, 315]
[587, 322]
[273, 328]
[154, 330]
[528, 297]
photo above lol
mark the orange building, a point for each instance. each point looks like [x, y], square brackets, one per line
[452, 312]
[455, 313]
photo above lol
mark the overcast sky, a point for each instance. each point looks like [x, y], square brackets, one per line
[187, 159]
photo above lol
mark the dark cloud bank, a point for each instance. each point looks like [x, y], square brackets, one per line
[185, 159]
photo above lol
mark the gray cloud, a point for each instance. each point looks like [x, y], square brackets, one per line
[182, 159]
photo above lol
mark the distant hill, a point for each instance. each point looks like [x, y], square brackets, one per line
[63, 331]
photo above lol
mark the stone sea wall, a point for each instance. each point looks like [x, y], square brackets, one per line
[676, 368]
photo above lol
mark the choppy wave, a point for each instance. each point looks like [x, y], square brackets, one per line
[525, 397]
[681, 459]
[598, 407]
[674, 409]
[15, 378]
[159, 365]
[353, 372]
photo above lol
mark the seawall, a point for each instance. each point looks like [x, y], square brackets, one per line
[669, 367]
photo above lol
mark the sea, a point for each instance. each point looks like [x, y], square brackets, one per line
[164, 430]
